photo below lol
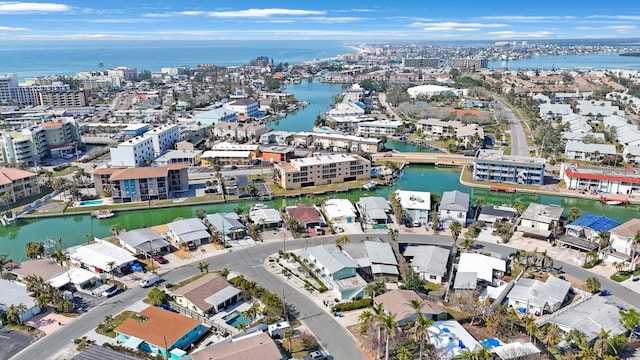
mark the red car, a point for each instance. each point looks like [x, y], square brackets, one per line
[160, 259]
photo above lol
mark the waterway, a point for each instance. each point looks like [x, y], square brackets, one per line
[72, 229]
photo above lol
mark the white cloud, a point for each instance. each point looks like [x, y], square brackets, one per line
[518, 18]
[586, 28]
[456, 26]
[615, 17]
[341, 19]
[622, 29]
[523, 35]
[120, 21]
[261, 13]
[9, 28]
[29, 7]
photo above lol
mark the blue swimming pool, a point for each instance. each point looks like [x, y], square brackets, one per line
[91, 202]
[235, 318]
[325, 128]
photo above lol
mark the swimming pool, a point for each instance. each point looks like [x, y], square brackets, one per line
[236, 318]
[325, 128]
[91, 202]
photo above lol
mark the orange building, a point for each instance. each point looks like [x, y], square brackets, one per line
[277, 154]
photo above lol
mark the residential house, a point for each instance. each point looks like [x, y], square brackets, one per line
[337, 270]
[266, 218]
[398, 303]
[207, 295]
[340, 211]
[228, 224]
[307, 215]
[454, 206]
[101, 256]
[449, 339]
[487, 268]
[623, 246]
[490, 214]
[211, 158]
[374, 258]
[374, 209]
[416, 205]
[143, 241]
[255, 345]
[517, 351]
[540, 220]
[632, 154]
[160, 332]
[187, 157]
[14, 294]
[576, 150]
[97, 352]
[45, 268]
[584, 232]
[189, 230]
[429, 262]
[537, 297]
[277, 137]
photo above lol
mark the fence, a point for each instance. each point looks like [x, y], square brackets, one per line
[221, 328]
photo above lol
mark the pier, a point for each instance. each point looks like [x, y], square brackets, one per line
[426, 158]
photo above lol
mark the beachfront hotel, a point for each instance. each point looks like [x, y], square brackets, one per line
[493, 165]
[322, 170]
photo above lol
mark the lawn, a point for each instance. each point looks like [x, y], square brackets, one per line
[621, 276]
[106, 327]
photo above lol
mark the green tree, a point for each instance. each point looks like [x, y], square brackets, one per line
[34, 249]
[551, 334]
[389, 324]
[344, 239]
[364, 319]
[287, 335]
[393, 235]
[422, 325]
[61, 256]
[157, 296]
[116, 229]
[630, 320]
[203, 266]
[574, 214]
[201, 213]
[112, 267]
[4, 260]
[479, 203]
[592, 284]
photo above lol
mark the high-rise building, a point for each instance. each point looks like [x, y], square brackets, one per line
[469, 63]
[421, 62]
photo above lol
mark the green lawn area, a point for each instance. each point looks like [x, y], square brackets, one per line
[620, 276]
[106, 328]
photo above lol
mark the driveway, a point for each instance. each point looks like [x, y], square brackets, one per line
[48, 322]
[11, 342]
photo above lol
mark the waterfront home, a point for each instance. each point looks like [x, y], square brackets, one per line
[584, 232]
[160, 332]
[322, 170]
[374, 209]
[337, 271]
[215, 116]
[490, 214]
[277, 137]
[416, 206]
[245, 106]
[533, 296]
[266, 218]
[15, 294]
[431, 90]
[590, 317]
[255, 345]
[45, 268]
[493, 165]
[438, 127]
[228, 225]
[380, 127]
[624, 181]
[577, 150]
[101, 256]
[454, 206]
[429, 262]
[188, 157]
[207, 295]
[141, 183]
[398, 303]
[622, 242]
[346, 109]
[189, 231]
[339, 211]
[334, 142]
[540, 220]
[307, 215]
[236, 131]
[18, 184]
[487, 268]
[374, 258]
[143, 241]
[449, 339]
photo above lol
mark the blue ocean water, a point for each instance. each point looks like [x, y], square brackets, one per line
[598, 61]
[38, 58]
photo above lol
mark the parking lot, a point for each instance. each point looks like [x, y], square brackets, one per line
[11, 342]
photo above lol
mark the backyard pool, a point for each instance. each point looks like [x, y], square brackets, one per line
[235, 318]
[91, 202]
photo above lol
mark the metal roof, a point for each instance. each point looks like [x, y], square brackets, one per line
[596, 223]
[331, 258]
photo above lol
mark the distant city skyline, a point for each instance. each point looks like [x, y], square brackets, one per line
[327, 20]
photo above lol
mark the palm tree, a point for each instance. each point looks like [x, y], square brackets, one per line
[112, 266]
[404, 354]
[592, 284]
[12, 314]
[42, 301]
[630, 320]
[422, 324]
[602, 345]
[416, 305]
[479, 203]
[393, 235]
[21, 309]
[456, 229]
[224, 272]
[467, 243]
[251, 313]
[116, 229]
[518, 256]
[241, 326]
[374, 289]
[379, 316]
[344, 239]
[389, 323]
[201, 213]
[552, 334]
[365, 318]
[288, 334]
[89, 237]
[636, 241]
[4, 260]
[604, 239]
[203, 266]
[60, 256]
[576, 337]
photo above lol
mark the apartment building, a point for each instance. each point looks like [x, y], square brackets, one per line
[421, 62]
[123, 73]
[130, 184]
[469, 63]
[246, 106]
[338, 142]
[137, 151]
[380, 127]
[322, 170]
[62, 99]
[163, 138]
[18, 183]
[493, 165]
[602, 179]
[215, 116]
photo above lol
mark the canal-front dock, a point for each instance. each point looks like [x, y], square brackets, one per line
[424, 158]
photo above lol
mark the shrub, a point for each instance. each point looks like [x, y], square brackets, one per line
[353, 305]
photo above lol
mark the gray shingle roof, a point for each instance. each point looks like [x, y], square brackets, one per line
[539, 293]
[454, 200]
[331, 258]
[429, 259]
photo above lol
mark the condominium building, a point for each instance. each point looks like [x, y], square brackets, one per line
[246, 106]
[134, 152]
[469, 63]
[338, 142]
[215, 116]
[163, 138]
[380, 127]
[322, 170]
[123, 73]
[62, 99]
[601, 179]
[493, 165]
[11, 90]
[141, 183]
[421, 62]
[18, 183]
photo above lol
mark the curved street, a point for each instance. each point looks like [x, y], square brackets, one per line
[249, 262]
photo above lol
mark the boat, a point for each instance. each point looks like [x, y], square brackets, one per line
[255, 207]
[613, 200]
[502, 188]
[370, 185]
[103, 214]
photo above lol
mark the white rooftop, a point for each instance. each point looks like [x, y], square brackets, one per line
[339, 208]
[100, 253]
[482, 264]
[75, 275]
[420, 200]
[449, 339]
[235, 147]
[323, 160]
[212, 154]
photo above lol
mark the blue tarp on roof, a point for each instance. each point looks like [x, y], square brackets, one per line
[596, 223]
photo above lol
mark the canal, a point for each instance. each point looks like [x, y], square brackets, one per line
[72, 229]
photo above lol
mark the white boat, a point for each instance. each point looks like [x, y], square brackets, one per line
[613, 202]
[370, 185]
[103, 214]
[255, 207]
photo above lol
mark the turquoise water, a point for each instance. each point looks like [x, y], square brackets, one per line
[236, 318]
[91, 202]
[602, 61]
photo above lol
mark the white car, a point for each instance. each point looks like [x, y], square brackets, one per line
[112, 290]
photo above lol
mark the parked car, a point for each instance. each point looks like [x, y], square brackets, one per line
[605, 293]
[319, 230]
[112, 290]
[160, 259]
[314, 355]
[338, 229]
[191, 245]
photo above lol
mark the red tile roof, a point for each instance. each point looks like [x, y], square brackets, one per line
[307, 214]
[8, 175]
[159, 325]
[591, 176]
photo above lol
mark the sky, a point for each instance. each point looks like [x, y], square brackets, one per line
[322, 20]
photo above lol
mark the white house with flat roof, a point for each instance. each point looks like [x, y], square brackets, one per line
[14, 293]
[577, 150]
[189, 230]
[101, 256]
[339, 211]
[416, 205]
[449, 339]
[189, 157]
[486, 267]
[379, 127]
[212, 117]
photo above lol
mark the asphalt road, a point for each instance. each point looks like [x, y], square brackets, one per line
[519, 145]
[332, 336]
